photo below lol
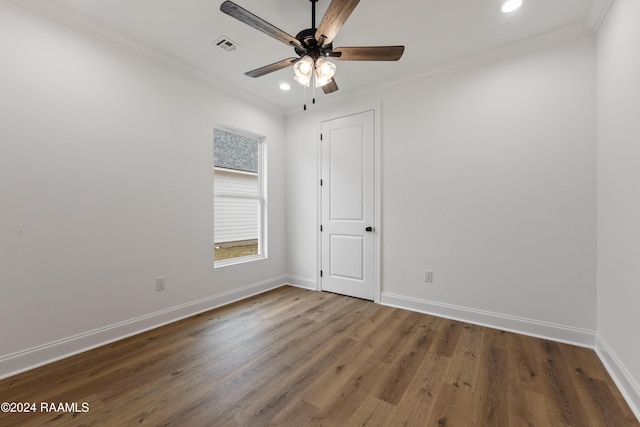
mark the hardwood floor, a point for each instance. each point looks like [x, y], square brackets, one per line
[293, 357]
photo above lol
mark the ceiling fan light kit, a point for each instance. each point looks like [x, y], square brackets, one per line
[314, 45]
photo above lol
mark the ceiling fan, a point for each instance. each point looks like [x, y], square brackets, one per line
[314, 45]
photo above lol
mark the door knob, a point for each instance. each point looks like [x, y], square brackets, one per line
[368, 229]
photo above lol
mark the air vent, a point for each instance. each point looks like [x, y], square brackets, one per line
[223, 42]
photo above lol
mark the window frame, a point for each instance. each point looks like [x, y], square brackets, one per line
[261, 197]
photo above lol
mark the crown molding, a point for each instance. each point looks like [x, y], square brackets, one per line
[511, 50]
[596, 14]
[92, 28]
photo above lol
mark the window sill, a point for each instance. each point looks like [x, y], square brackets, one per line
[239, 260]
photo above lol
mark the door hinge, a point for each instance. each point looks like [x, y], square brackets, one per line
[321, 183]
[321, 228]
[320, 273]
[320, 137]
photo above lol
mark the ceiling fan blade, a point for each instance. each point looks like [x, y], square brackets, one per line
[368, 53]
[335, 17]
[272, 67]
[243, 15]
[330, 87]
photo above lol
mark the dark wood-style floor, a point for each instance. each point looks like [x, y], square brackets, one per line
[293, 357]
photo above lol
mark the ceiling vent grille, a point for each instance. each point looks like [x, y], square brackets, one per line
[223, 42]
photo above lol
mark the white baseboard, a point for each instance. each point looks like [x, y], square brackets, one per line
[544, 330]
[620, 375]
[302, 282]
[37, 356]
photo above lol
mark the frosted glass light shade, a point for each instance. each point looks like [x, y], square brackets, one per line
[303, 70]
[325, 70]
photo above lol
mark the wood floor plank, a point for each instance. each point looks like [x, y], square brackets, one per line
[449, 409]
[600, 400]
[491, 400]
[297, 413]
[353, 393]
[405, 326]
[525, 367]
[465, 359]
[528, 409]
[561, 388]
[461, 346]
[333, 379]
[267, 405]
[404, 367]
[448, 338]
[422, 394]
[292, 357]
[373, 413]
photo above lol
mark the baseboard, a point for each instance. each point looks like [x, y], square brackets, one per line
[302, 282]
[620, 375]
[37, 356]
[544, 330]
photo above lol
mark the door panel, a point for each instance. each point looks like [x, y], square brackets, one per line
[346, 174]
[346, 257]
[347, 199]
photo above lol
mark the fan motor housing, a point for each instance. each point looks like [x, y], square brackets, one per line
[310, 45]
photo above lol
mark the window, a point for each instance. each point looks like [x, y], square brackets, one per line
[238, 197]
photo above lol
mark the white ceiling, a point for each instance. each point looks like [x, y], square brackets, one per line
[439, 35]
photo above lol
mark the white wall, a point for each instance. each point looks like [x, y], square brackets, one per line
[301, 198]
[105, 184]
[488, 179]
[501, 162]
[619, 195]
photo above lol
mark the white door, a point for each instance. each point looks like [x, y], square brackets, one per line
[348, 206]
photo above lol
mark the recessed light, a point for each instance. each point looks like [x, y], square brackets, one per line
[510, 5]
[285, 86]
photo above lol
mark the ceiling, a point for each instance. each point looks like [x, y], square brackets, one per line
[440, 36]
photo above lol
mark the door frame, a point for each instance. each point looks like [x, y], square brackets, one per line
[377, 234]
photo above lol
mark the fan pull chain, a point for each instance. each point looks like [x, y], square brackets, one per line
[313, 82]
[305, 97]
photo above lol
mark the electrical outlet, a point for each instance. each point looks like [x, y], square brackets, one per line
[428, 276]
[160, 284]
